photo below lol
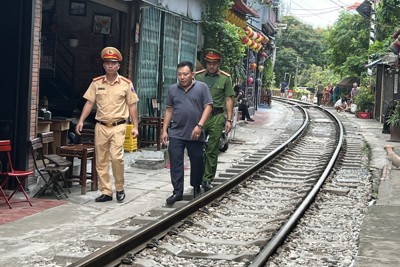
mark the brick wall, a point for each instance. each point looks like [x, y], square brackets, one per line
[37, 22]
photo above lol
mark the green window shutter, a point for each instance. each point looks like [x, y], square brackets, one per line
[148, 58]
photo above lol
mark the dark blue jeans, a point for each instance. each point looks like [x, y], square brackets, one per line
[176, 151]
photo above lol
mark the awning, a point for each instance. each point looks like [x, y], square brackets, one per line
[388, 59]
[373, 63]
[348, 82]
[241, 7]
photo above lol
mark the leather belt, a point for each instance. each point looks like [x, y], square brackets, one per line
[111, 124]
[216, 111]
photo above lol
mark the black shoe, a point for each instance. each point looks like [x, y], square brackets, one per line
[120, 196]
[196, 192]
[207, 186]
[250, 119]
[172, 199]
[103, 198]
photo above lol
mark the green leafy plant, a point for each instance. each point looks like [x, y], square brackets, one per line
[224, 37]
[394, 118]
[364, 100]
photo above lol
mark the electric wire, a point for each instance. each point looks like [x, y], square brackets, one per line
[311, 11]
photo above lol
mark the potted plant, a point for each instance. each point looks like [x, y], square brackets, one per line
[394, 122]
[365, 103]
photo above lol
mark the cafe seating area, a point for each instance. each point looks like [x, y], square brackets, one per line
[61, 166]
[56, 165]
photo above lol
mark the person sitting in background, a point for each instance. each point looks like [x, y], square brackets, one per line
[341, 104]
[239, 96]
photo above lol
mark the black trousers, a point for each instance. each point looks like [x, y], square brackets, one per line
[176, 151]
[245, 111]
[319, 98]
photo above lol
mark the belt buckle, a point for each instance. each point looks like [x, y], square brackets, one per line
[109, 124]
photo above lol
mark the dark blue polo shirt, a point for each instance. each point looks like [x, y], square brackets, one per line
[187, 108]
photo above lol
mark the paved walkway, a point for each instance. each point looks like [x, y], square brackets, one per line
[380, 235]
[33, 239]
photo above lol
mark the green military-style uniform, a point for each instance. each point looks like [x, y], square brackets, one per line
[220, 85]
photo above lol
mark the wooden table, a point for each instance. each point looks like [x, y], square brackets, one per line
[60, 129]
[44, 127]
[84, 152]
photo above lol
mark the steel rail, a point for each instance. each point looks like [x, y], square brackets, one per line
[287, 228]
[107, 255]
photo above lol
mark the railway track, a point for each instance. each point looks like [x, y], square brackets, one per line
[247, 217]
[328, 233]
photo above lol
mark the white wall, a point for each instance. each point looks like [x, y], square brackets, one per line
[188, 8]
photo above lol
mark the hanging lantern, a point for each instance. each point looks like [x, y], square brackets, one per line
[253, 35]
[249, 81]
[245, 40]
[229, 16]
[253, 66]
[260, 68]
[263, 54]
[265, 40]
[248, 30]
[259, 38]
[249, 42]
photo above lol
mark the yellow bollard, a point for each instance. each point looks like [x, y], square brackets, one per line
[130, 143]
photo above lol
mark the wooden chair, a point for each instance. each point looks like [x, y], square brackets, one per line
[51, 173]
[86, 137]
[85, 151]
[47, 140]
[150, 131]
[9, 172]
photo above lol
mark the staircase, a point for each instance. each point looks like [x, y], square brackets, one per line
[57, 71]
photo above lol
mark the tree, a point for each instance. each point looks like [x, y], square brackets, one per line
[388, 18]
[347, 42]
[286, 63]
[298, 41]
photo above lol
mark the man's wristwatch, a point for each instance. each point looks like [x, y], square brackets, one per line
[199, 125]
[230, 121]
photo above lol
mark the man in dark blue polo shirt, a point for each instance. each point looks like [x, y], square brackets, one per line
[188, 105]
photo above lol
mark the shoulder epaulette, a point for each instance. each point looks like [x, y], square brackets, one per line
[98, 78]
[125, 79]
[225, 73]
[200, 71]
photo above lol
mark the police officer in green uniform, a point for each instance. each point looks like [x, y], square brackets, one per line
[220, 85]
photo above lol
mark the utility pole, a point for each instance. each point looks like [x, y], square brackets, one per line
[372, 31]
[297, 71]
